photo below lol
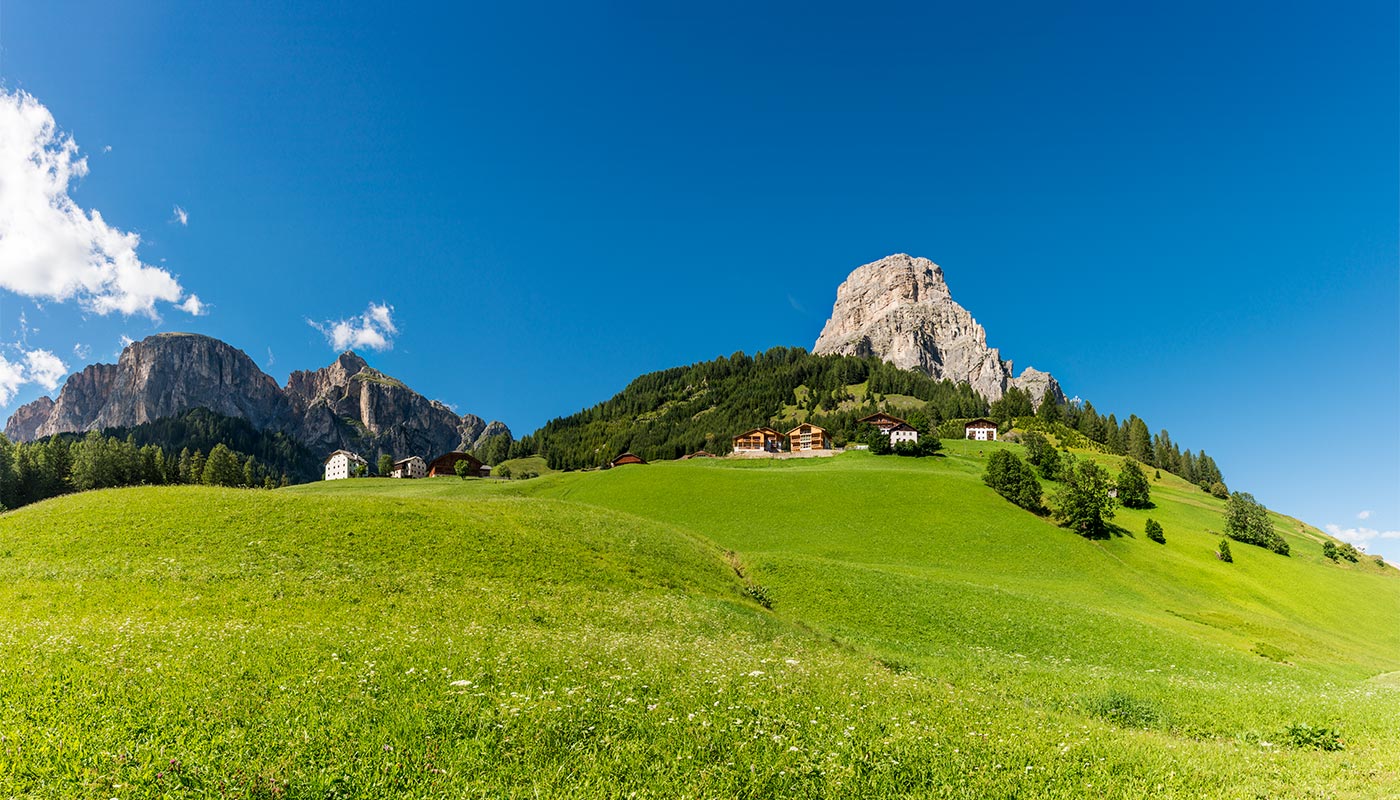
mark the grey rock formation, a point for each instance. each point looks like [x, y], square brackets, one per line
[353, 406]
[25, 422]
[347, 404]
[899, 309]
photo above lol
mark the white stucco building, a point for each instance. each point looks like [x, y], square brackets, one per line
[342, 464]
[411, 467]
[982, 430]
[903, 432]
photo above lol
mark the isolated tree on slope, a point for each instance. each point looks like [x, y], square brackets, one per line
[1247, 520]
[1042, 454]
[1012, 479]
[386, 464]
[1083, 503]
[1133, 488]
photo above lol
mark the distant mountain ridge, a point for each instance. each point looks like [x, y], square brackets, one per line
[346, 404]
[899, 309]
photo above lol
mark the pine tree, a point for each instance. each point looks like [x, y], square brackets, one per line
[1154, 532]
[1049, 411]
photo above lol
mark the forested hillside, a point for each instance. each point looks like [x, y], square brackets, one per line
[667, 414]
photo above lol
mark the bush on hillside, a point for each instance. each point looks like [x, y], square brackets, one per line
[1123, 709]
[1247, 520]
[1329, 550]
[1308, 737]
[1223, 551]
[1083, 503]
[1042, 454]
[502, 472]
[1012, 479]
[1133, 489]
[1219, 490]
[1154, 531]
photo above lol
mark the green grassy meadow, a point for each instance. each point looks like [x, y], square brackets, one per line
[605, 634]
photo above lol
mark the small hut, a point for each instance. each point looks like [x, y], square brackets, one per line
[627, 458]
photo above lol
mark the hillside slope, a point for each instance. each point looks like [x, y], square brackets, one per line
[587, 634]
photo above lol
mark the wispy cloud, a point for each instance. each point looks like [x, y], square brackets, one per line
[82, 351]
[33, 366]
[1360, 535]
[1364, 515]
[181, 216]
[50, 247]
[372, 330]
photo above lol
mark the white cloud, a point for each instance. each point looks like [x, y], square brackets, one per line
[372, 330]
[51, 248]
[1360, 535]
[125, 343]
[35, 366]
[194, 306]
[181, 216]
[44, 368]
[82, 351]
[1364, 515]
[271, 359]
[107, 148]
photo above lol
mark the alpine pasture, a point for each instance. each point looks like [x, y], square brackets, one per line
[856, 626]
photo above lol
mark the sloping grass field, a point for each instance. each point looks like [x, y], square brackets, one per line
[608, 634]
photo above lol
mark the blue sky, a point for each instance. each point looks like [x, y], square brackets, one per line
[1186, 212]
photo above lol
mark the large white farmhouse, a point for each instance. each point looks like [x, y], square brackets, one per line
[903, 432]
[342, 464]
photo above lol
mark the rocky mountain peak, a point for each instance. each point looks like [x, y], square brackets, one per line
[900, 310]
[346, 404]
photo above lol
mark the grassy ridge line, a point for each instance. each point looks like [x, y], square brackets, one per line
[937, 514]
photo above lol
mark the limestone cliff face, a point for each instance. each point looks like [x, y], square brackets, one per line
[899, 309]
[25, 422]
[353, 406]
[347, 404]
[161, 376]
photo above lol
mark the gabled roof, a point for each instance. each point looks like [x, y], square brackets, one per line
[980, 422]
[903, 426]
[403, 461]
[698, 454]
[353, 456]
[621, 456]
[809, 425]
[757, 430]
[882, 415]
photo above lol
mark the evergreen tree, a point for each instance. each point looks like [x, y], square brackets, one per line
[250, 473]
[1113, 439]
[1049, 410]
[197, 467]
[221, 468]
[1083, 503]
[1223, 551]
[183, 466]
[1133, 488]
[1139, 440]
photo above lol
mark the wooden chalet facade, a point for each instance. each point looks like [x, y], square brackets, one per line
[446, 464]
[982, 430]
[627, 458]
[893, 427]
[808, 437]
[411, 467]
[758, 440]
